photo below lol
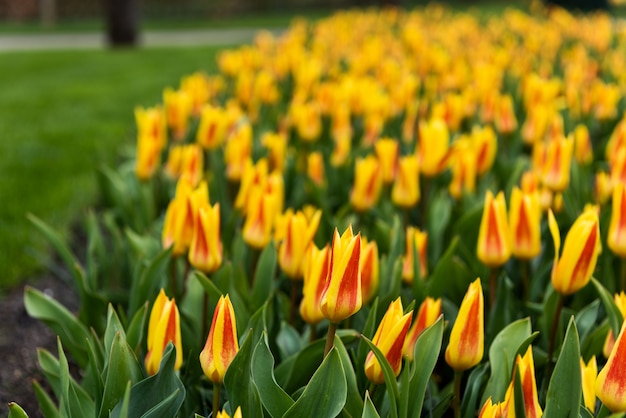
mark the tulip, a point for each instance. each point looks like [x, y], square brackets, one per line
[406, 188]
[432, 148]
[276, 144]
[389, 338]
[315, 167]
[504, 118]
[212, 128]
[180, 217]
[238, 151]
[316, 265]
[616, 238]
[224, 414]
[609, 342]
[151, 124]
[172, 226]
[427, 314]
[494, 239]
[367, 183]
[196, 85]
[163, 328]
[557, 162]
[602, 187]
[589, 373]
[463, 166]
[467, 338]
[387, 154]
[174, 161]
[254, 175]
[417, 241]
[221, 345]
[490, 410]
[205, 252]
[618, 166]
[299, 235]
[369, 269]
[583, 151]
[485, 144]
[192, 164]
[524, 222]
[341, 150]
[260, 212]
[526, 368]
[573, 269]
[148, 158]
[178, 108]
[611, 382]
[341, 297]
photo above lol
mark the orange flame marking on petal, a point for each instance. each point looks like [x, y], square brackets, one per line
[522, 232]
[470, 331]
[494, 243]
[348, 289]
[585, 256]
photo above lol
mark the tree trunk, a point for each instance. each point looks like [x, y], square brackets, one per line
[122, 22]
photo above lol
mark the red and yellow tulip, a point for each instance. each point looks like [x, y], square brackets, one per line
[616, 239]
[299, 234]
[427, 314]
[163, 328]
[494, 238]
[221, 345]
[205, 252]
[316, 266]
[524, 222]
[611, 382]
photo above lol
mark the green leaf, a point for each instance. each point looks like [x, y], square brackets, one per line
[273, 397]
[439, 211]
[75, 401]
[163, 393]
[473, 389]
[135, 333]
[151, 275]
[502, 352]
[239, 384]
[425, 355]
[325, 395]
[16, 411]
[564, 391]
[122, 368]
[114, 327]
[613, 312]
[51, 370]
[390, 377]
[362, 349]
[72, 332]
[264, 276]
[451, 275]
[354, 404]
[369, 410]
[518, 395]
[46, 404]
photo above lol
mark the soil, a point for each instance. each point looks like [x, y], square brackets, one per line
[20, 336]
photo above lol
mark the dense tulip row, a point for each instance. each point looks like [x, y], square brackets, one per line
[337, 179]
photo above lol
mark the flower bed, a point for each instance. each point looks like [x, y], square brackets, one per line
[322, 229]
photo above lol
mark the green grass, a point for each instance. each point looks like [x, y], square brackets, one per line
[62, 114]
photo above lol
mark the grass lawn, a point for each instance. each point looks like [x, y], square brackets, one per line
[62, 114]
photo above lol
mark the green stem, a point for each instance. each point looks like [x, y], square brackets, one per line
[255, 260]
[526, 279]
[555, 326]
[623, 274]
[456, 401]
[313, 334]
[216, 399]
[330, 338]
[493, 287]
[294, 302]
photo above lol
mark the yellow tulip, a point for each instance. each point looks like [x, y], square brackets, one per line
[433, 146]
[524, 222]
[367, 183]
[387, 154]
[494, 238]
[221, 345]
[616, 238]
[418, 240]
[369, 266]
[406, 188]
[205, 252]
[163, 328]
[316, 265]
[427, 314]
[589, 373]
[299, 234]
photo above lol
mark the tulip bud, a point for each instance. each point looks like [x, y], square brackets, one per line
[316, 265]
[221, 345]
[174, 161]
[583, 151]
[224, 414]
[504, 119]
[602, 187]
[467, 338]
[406, 188]
[151, 124]
[238, 151]
[618, 166]
[557, 162]
[178, 109]
[260, 213]
[299, 234]
[572, 271]
[524, 222]
[526, 368]
[276, 144]
[485, 144]
[389, 338]
[427, 314]
[369, 269]
[367, 183]
[148, 158]
[616, 238]
[212, 128]
[432, 148]
[205, 252]
[463, 166]
[192, 164]
[418, 240]
[163, 328]
[611, 382]
[387, 154]
[589, 373]
[609, 342]
[341, 297]
[315, 167]
[494, 239]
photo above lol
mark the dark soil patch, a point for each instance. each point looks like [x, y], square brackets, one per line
[20, 336]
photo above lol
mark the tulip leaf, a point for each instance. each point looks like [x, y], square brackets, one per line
[439, 211]
[273, 397]
[584, 412]
[296, 370]
[502, 352]
[369, 410]
[362, 349]
[208, 285]
[390, 377]
[158, 395]
[450, 276]
[114, 326]
[122, 368]
[72, 332]
[473, 389]
[46, 404]
[613, 312]
[425, 355]
[354, 404]
[264, 276]
[238, 380]
[325, 395]
[16, 411]
[518, 395]
[149, 277]
[136, 329]
[51, 369]
[564, 392]
[74, 399]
